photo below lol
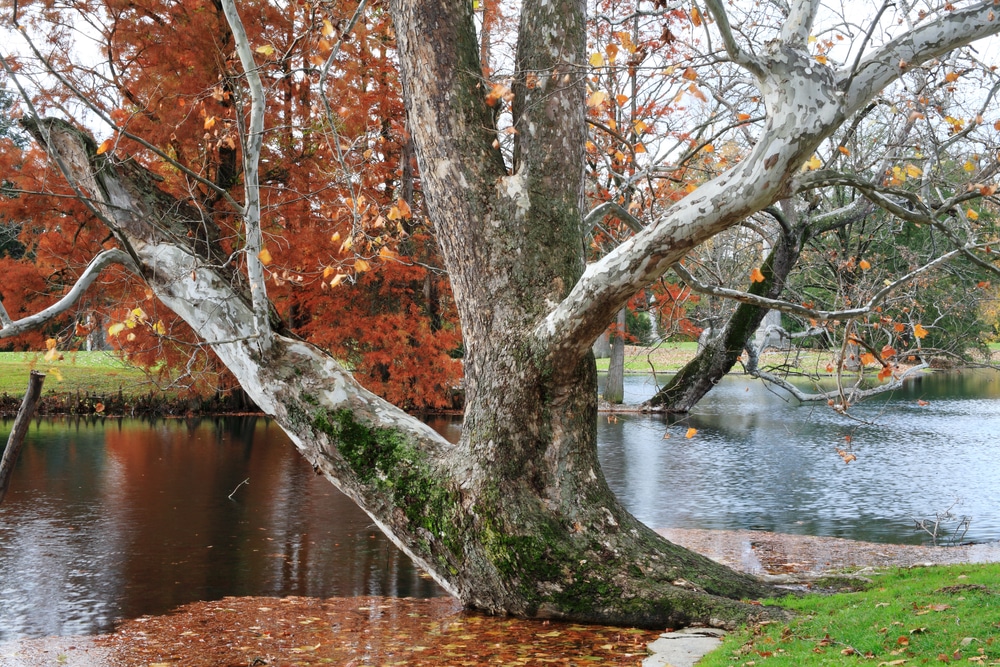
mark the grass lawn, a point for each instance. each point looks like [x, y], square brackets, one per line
[94, 372]
[671, 357]
[932, 616]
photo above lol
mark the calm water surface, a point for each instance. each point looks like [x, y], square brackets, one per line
[108, 519]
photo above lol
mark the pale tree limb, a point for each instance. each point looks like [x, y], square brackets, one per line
[934, 38]
[20, 429]
[70, 299]
[252, 145]
[806, 104]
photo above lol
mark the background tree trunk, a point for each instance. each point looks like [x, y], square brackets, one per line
[614, 387]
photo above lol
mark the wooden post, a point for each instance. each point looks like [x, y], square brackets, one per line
[16, 439]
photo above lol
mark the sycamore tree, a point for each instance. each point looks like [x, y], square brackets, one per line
[516, 517]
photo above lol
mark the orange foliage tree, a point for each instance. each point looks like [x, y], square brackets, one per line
[350, 261]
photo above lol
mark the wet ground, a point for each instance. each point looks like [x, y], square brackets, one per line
[192, 634]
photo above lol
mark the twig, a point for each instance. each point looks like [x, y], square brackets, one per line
[246, 481]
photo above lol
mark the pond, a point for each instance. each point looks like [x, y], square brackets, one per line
[108, 519]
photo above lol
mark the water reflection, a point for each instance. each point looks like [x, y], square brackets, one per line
[121, 518]
[108, 519]
[761, 461]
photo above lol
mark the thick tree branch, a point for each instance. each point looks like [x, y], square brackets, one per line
[932, 39]
[86, 279]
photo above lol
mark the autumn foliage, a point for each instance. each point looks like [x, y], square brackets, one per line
[350, 262]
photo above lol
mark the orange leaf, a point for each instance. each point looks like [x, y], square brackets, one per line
[899, 328]
[742, 116]
[867, 358]
[922, 403]
[756, 276]
[951, 77]
[691, 433]
[105, 146]
[919, 331]
[695, 17]
[99, 407]
[690, 74]
[888, 352]
[864, 265]
[361, 265]
[264, 256]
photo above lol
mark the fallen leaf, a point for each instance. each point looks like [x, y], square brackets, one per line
[691, 433]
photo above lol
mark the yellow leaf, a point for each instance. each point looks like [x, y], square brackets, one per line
[139, 314]
[264, 256]
[265, 50]
[972, 215]
[597, 60]
[821, 60]
[334, 237]
[596, 98]
[695, 17]
[130, 337]
[968, 166]
[864, 265]
[394, 213]
[327, 28]
[360, 265]
[813, 163]
[56, 373]
[210, 122]
[50, 343]
[116, 329]
[691, 433]
[640, 127]
[105, 146]
[52, 354]
[337, 279]
[347, 244]
[913, 171]
[327, 272]
[756, 276]
[159, 329]
[919, 331]
[385, 253]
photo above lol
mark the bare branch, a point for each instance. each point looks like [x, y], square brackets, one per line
[795, 309]
[86, 279]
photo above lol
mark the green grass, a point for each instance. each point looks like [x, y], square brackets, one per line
[932, 616]
[93, 372]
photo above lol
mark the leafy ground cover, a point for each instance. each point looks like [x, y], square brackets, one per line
[362, 631]
[921, 616]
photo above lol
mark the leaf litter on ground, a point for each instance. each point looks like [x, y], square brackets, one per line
[355, 632]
